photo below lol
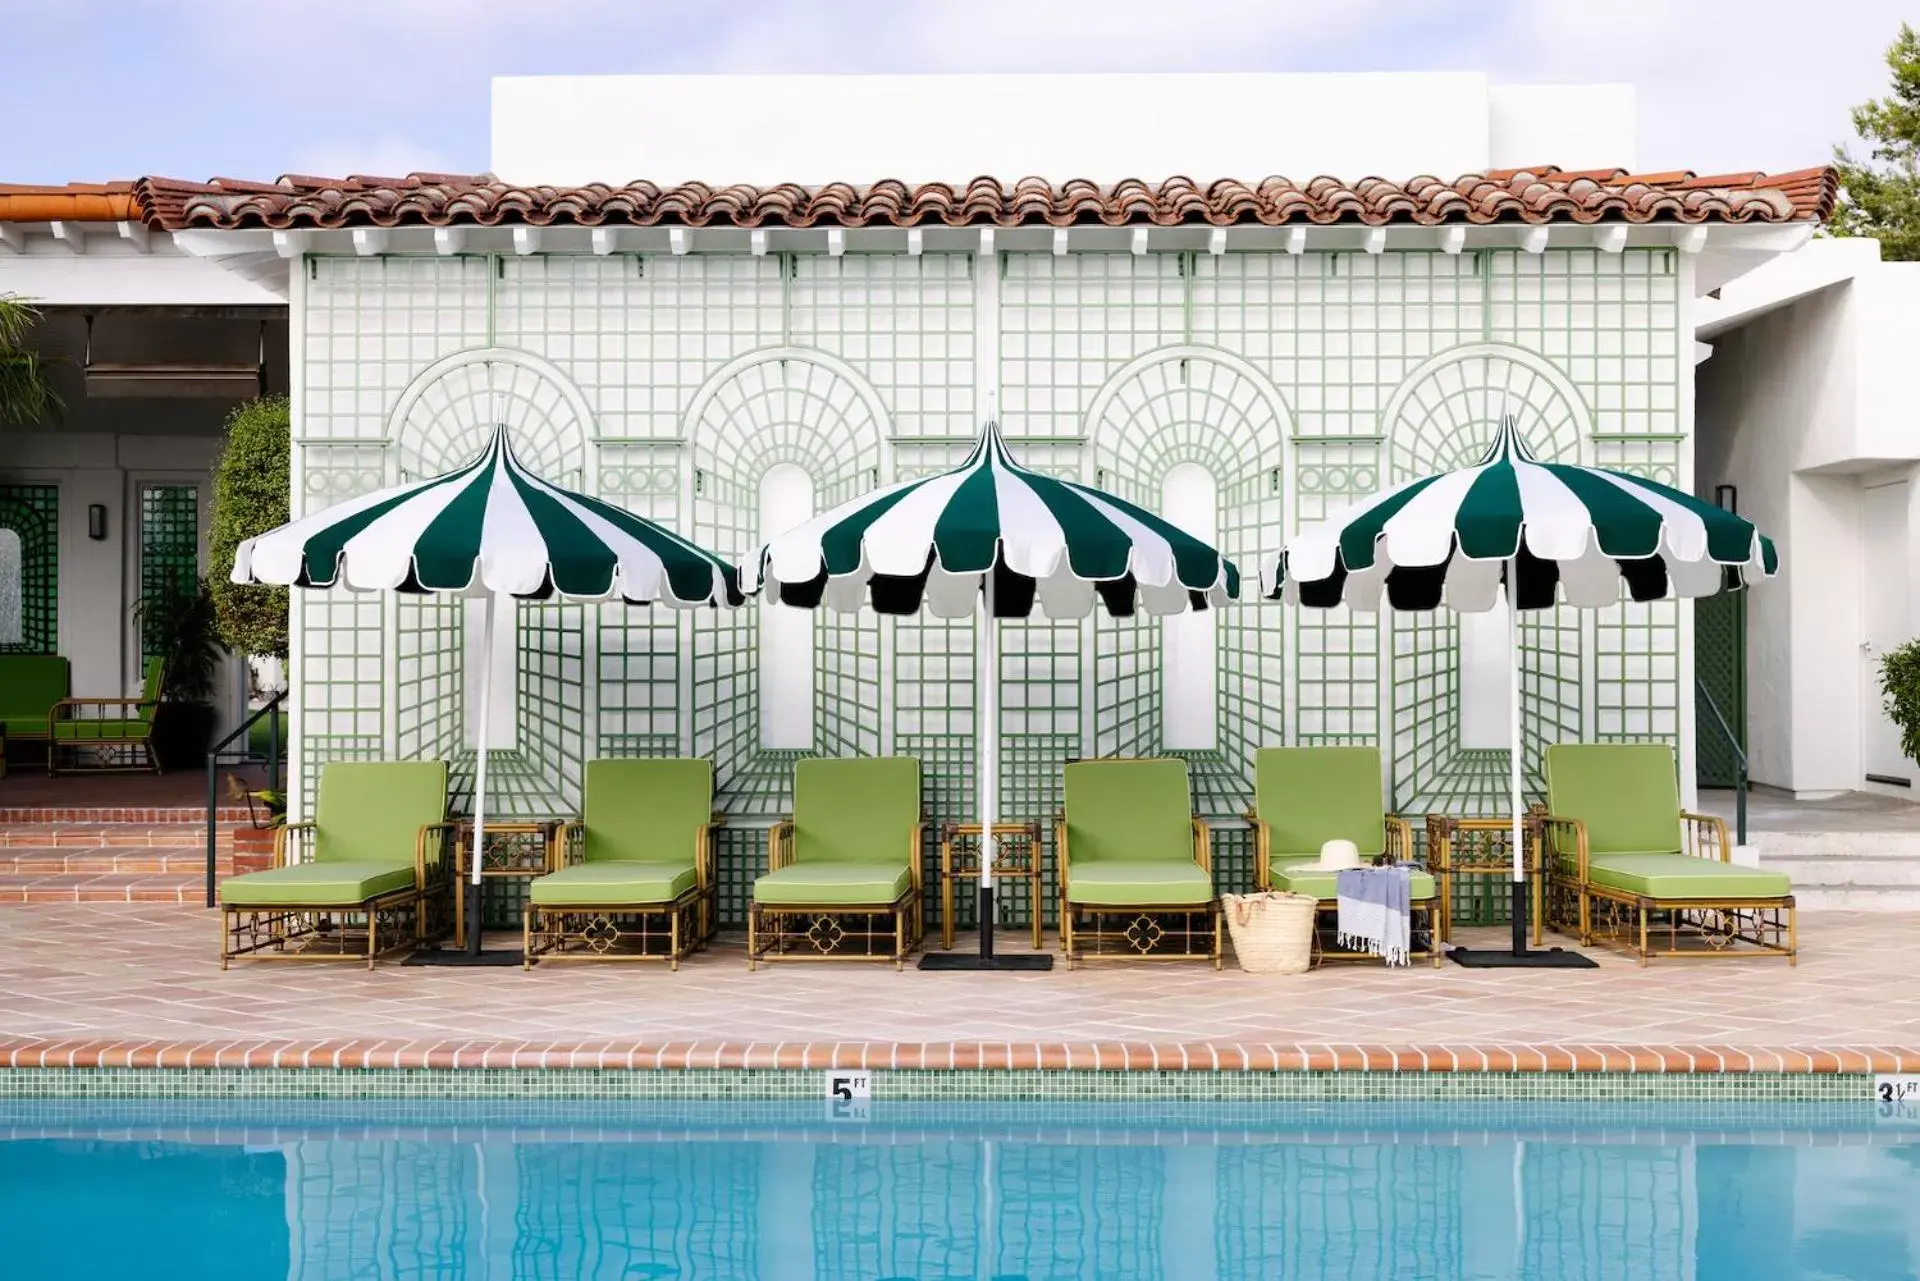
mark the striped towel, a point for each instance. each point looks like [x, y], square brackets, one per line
[1376, 911]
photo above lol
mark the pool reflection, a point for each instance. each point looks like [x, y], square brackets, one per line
[1050, 1202]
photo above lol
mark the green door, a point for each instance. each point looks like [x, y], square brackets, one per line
[1720, 670]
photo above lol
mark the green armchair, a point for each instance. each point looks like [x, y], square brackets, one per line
[843, 877]
[365, 877]
[633, 877]
[1629, 868]
[1304, 797]
[1135, 865]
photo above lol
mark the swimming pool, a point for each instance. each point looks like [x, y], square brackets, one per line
[775, 1191]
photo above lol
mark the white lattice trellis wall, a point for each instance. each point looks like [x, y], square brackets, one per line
[672, 384]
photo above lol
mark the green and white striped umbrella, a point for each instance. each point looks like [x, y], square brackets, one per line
[488, 529]
[994, 532]
[935, 541]
[1541, 534]
[489, 526]
[1566, 534]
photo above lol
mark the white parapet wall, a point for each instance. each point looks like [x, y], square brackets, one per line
[921, 128]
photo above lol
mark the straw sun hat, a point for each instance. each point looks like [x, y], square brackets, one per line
[1336, 856]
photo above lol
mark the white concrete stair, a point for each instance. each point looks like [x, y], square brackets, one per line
[1846, 871]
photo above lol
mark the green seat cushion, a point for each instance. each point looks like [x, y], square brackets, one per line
[372, 811]
[1627, 794]
[1681, 876]
[1297, 879]
[646, 809]
[833, 884]
[98, 731]
[856, 809]
[25, 726]
[1132, 883]
[613, 884]
[30, 684]
[316, 885]
[1308, 796]
[1128, 811]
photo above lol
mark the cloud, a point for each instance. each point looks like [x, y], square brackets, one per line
[1722, 84]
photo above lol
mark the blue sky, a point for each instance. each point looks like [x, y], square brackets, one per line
[98, 89]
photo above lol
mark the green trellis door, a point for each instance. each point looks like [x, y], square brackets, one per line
[1720, 664]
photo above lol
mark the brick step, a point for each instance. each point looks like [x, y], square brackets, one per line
[113, 835]
[111, 887]
[162, 815]
[48, 861]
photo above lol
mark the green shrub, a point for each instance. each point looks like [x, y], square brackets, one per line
[250, 494]
[1900, 683]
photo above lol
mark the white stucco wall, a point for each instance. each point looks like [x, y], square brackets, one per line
[576, 129]
[1801, 403]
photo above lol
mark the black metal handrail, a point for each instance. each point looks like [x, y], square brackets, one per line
[224, 753]
[1739, 755]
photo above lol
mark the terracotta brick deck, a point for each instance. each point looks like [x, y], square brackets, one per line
[138, 985]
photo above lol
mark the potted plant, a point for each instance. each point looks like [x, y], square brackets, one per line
[177, 626]
[1900, 685]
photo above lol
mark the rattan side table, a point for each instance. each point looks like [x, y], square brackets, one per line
[1017, 858]
[1480, 847]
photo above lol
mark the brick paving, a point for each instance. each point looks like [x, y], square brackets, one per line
[140, 985]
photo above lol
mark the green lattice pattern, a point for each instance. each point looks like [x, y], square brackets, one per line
[1320, 343]
[32, 512]
[430, 666]
[1720, 663]
[169, 547]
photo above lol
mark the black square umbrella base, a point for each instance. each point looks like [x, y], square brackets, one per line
[455, 956]
[1488, 958]
[1028, 962]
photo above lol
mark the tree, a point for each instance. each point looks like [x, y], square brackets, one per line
[26, 387]
[1881, 195]
[250, 496]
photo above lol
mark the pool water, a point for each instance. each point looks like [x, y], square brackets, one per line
[780, 1192]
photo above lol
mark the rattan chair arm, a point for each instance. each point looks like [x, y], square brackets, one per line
[779, 845]
[1570, 827]
[1202, 846]
[284, 835]
[1713, 828]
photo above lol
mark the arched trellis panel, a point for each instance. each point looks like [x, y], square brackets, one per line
[30, 571]
[1443, 416]
[442, 419]
[805, 408]
[1174, 406]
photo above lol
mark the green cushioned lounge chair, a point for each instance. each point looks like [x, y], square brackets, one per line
[843, 874]
[1135, 865]
[30, 684]
[634, 876]
[107, 733]
[365, 877]
[1630, 868]
[1304, 797]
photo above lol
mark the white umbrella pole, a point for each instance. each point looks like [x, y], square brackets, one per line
[989, 760]
[1513, 758]
[480, 774]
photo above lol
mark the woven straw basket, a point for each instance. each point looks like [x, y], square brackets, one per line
[1272, 933]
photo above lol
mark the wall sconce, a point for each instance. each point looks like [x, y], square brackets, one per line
[97, 521]
[1726, 498]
